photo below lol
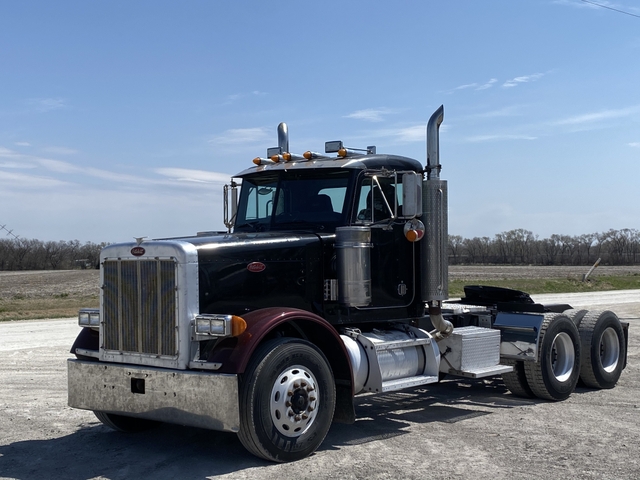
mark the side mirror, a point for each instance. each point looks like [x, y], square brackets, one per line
[411, 195]
[230, 202]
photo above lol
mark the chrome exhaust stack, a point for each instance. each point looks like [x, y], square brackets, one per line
[283, 138]
[435, 267]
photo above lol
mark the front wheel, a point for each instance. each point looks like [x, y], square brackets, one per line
[287, 400]
[555, 375]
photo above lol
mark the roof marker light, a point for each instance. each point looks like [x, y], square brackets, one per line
[309, 155]
[263, 161]
[292, 157]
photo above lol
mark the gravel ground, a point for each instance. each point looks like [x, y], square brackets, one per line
[456, 429]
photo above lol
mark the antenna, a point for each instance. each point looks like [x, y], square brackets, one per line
[9, 232]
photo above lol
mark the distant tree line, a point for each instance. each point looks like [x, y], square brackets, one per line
[515, 247]
[25, 254]
[522, 247]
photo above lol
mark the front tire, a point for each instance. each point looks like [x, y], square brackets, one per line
[603, 349]
[287, 400]
[555, 375]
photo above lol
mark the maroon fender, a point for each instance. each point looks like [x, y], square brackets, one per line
[234, 353]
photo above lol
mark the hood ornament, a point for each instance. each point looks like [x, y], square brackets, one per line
[139, 240]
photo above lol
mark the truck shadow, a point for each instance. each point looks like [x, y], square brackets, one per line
[172, 451]
[381, 416]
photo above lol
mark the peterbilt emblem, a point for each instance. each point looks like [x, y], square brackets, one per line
[256, 267]
[137, 251]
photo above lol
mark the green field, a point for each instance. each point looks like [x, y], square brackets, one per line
[553, 285]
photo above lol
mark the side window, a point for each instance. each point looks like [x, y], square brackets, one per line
[256, 202]
[361, 209]
[377, 199]
[259, 203]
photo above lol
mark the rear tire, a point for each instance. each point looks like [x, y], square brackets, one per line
[576, 315]
[123, 423]
[516, 381]
[287, 400]
[555, 375]
[603, 349]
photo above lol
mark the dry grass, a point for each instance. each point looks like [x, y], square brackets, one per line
[47, 294]
[59, 294]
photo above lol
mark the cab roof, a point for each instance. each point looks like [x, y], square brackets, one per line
[355, 162]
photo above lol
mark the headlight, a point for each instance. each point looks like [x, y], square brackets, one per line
[219, 325]
[89, 317]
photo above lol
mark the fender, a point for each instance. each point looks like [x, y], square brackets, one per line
[234, 353]
[87, 339]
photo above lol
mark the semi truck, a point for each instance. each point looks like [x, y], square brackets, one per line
[330, 281]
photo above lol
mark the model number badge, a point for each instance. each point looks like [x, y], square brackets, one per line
[256, 267]
[137, 251]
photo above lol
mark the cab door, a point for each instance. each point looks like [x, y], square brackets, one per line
[393, 257]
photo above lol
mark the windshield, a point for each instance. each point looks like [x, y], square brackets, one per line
[313, 199]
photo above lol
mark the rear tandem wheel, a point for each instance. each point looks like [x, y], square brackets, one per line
[555, 375]
[603, 349]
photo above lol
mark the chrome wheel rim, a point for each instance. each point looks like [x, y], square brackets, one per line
[609, 347]
[294, 401]
[563, 357]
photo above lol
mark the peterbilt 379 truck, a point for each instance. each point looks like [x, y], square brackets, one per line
[331, 281]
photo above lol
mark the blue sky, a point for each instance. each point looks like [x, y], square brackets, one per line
[123, 119]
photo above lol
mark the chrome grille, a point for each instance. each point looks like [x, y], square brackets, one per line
[140, 306]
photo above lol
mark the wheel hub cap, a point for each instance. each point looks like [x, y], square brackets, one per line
[294, 401]
[563, 356]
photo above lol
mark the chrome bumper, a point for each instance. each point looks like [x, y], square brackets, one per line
[197, 399]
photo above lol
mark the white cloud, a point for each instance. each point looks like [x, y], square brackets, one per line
[491, 138]
[46, 104]
[14, 165]
[511, 111]
[594, 5]
[22, 144]
[6, 153]
[371, 114]
[475, 86]
[237, 96]
[417, 133]
[60, 150]
[241, 135]
[57, 165]
[599, 116]
[466, 86]
[487, 85]
[11, 180]
[634, 144]
[197, 176]
[523, 79]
